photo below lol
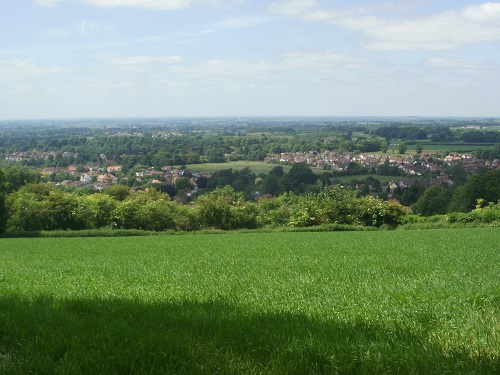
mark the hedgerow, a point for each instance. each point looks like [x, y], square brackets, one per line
[35, 208]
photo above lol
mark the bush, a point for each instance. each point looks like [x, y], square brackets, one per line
[225, 209]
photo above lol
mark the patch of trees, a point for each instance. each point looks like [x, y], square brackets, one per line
[299, 179]
[491, 154]
[477, 136]
[401, 132]
[441, 134]
[353, 169]
[439, 200]
[387, 169]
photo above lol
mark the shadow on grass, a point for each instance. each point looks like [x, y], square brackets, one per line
[105, 336]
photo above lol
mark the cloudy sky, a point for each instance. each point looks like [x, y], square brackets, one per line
[136, 58]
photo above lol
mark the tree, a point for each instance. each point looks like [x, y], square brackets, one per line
[37, 207]
[201, 182]
[301, 174]
[226, 209]
[118, 192]
[434, 201]
[458, 174]
[402, 148]
[3, 210]
[17, 176]
[483, 186]
[418, 148]
[272, 184]
[146, 210]
[183, 184]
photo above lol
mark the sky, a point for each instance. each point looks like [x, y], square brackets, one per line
[184, 58]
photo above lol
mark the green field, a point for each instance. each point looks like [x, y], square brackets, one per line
[255, 166]
[453, 148]
[348, 179]
[396, 302]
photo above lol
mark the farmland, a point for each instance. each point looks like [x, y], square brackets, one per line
[344, 302]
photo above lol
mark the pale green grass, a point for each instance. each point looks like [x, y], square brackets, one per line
[455, 148]
[255, 166]
[285, 303]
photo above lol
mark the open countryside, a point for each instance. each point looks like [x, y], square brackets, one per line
[250, 187]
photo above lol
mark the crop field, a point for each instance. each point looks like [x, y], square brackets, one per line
[392, 302]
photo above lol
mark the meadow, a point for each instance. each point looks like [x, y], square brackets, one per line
[392, 302]
[453, 147]
[256, 167]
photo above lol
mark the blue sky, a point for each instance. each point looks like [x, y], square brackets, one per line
[149, 58]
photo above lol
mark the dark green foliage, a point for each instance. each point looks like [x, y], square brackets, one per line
[458, 174]
[242, 181]
[401, 132]
[299, 177]
[183, 184]
[389, 170]
[483, 186]
[118, 192]
[272, 184]
[3, 209]
[16, 176]
[37, 207]
[151, 211]
[477, 136]
[402, 148]
[434, 201]
[492, 154]
[225, 209]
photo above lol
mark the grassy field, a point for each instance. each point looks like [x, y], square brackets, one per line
[255, 166]
[409, 302]
[348, 179]
[453, 148]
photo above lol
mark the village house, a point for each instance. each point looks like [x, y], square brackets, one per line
[86, 178]
[107, 178]
[114, 168]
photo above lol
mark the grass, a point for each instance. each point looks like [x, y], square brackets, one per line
[457, 147]
[407, 302]
[255, 166]
[348, 179]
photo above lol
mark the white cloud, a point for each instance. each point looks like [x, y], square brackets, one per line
[54, 32]
[20, 69]
[138, 63]
[475, 67]
[446, 30]
[296, 65]
[157, 4]
[241, 22]
[148, 4]
[293, 7]
[47, 3]
[145, 4]
[89, 29]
